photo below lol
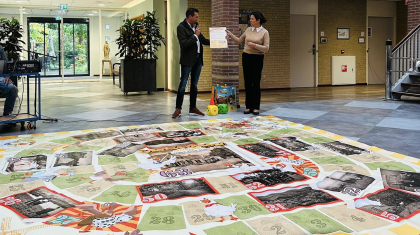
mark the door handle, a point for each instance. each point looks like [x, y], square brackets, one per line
[313, 50]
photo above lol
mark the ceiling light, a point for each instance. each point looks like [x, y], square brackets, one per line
[101, 5]
[90, 14]
[19, 1]
[94, 12]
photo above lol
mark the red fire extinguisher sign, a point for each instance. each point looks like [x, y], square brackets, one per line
[343, 68]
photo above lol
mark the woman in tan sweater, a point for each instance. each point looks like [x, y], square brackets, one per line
[257, 41]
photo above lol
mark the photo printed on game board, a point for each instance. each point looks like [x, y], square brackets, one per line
[187, 133]
[141, 130]
[265, 150]
[405, 180]
[343, 148]
[286, 199]
[292, 143]
[38, 203]
[389, 203]
[169, 143]
[122, 150]
[97, 135]
[28, 163]
[136, 138]
[266, 178]
[346, 182]
[73, 159]
[175, 190]
[200, 159]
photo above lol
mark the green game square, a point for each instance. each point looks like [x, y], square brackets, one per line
[389, 166]
[232, 130]
[15, 177]
[163, 218]
[207, 139]
[319, 139]
[138, 175]
[108, 160]
[246, 141]
[71, 181]
[332, 160]
[125, 194]
[246, 207]
[68, 140]
[32, 152]
[83, 148]
[316, 223]
[191, 126]
[235, 228]
[278, 133]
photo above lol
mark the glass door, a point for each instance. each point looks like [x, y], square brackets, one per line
[44, 38]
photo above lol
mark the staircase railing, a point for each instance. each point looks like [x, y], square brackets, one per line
[401, 59]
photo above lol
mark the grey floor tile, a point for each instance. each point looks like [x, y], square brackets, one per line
[375, 105]
[364, 111]
[106, 103]
[295, 113]
[102, 114]
[308, 106]
[341, 128]
[400, 123]
[415, 114]
[358, 119]
[395, 140]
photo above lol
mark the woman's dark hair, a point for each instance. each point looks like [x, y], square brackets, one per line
[191, 12]
[259, 16]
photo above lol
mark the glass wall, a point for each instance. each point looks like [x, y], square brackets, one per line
[44, 38]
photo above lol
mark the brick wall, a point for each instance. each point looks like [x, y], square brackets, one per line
[276, 72]
[225, 68]
[342, 14]
[402, 18]
[413, 14]
[204, 6]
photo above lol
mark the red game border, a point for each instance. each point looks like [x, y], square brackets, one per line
[380, 190]
[294, 208]
[211, 186]
[169, 148]
[23, 216]
[307, 178]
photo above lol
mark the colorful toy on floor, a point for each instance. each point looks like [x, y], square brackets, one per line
[212, 109]
[223, 108]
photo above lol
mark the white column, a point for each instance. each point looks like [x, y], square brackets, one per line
[62, 46]
[100, 45]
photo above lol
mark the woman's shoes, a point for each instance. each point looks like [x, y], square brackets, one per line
[256, 112]
[247, 111]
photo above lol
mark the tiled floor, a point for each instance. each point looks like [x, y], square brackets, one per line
[392, 125]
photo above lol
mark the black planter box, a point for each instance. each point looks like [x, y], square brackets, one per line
[138, 75]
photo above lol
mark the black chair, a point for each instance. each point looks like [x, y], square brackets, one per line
[116, 72]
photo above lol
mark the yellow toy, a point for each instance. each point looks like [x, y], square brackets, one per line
[212, 109]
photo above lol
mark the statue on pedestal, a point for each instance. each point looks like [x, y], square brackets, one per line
[106, 50]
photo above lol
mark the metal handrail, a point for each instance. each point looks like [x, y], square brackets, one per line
[397, 64]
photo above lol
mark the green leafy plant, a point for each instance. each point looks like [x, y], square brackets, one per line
[140, 39]
[11, 30]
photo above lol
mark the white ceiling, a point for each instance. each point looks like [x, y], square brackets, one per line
[81, 8]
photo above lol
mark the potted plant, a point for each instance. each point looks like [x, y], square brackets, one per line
[137, 45]
[11, 31]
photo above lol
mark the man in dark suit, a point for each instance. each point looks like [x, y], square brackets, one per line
[7, 87]
[191, 41]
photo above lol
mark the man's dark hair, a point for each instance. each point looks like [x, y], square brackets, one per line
[191, 12]
[259, 16]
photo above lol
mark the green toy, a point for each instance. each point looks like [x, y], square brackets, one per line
[223, 108]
